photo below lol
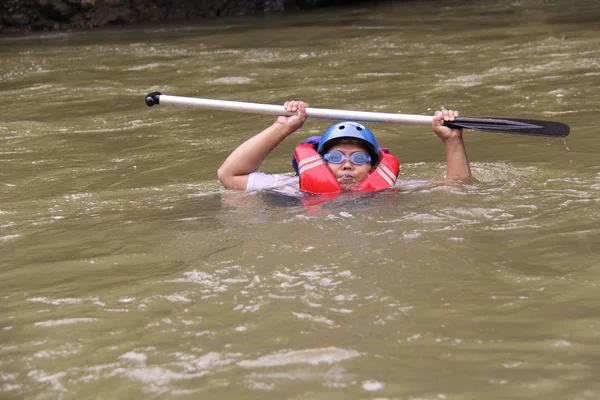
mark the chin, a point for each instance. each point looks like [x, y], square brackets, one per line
[348, 186]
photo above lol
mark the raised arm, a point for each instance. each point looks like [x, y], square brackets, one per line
[457, 164]
[233, 173]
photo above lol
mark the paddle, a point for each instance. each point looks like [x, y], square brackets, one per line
[501, 125]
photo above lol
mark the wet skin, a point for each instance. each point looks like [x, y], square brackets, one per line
[347, 174]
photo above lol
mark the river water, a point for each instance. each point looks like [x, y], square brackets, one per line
[127, 272]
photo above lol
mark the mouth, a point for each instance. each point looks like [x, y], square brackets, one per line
[345, 178]
[347, 182]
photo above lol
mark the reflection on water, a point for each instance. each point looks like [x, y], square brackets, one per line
[127, 272]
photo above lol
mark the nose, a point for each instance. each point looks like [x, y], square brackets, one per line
[347, 165]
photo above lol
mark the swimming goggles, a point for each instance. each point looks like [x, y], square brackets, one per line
[356, 158]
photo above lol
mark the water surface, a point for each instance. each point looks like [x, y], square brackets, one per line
[127, 272]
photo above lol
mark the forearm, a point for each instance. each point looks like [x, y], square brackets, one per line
[233, 173]
[457, 163]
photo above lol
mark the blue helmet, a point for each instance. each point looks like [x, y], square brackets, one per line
[349, 130]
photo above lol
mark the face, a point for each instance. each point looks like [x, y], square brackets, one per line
[349, 175]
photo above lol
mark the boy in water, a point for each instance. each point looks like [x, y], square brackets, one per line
[346, 158]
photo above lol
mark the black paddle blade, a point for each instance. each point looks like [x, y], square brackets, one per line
[516, 126]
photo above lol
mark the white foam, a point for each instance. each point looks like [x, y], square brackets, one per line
[66, 321]
[327, 355]
[372, 386]
[232, 80]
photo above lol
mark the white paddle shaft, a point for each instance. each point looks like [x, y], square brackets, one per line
[270, 109]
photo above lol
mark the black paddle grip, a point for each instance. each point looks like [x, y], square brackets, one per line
[153, 98]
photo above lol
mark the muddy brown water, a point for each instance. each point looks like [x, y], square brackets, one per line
[127, 272]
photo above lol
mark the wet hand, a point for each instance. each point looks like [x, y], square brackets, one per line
[443, 131]
[293, 122]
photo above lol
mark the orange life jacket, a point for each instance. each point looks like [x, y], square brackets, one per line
[317, 178]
